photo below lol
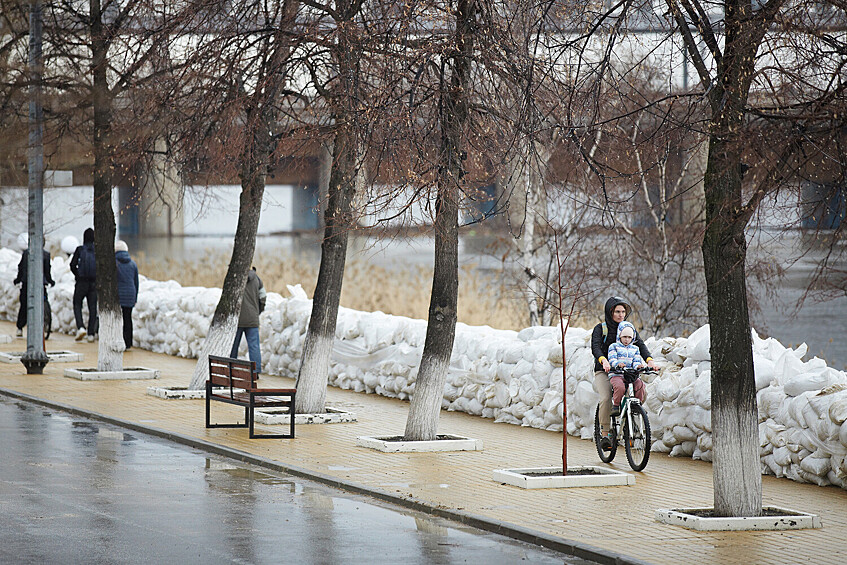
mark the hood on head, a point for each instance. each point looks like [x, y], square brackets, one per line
[121, 246]
[23, 241]
[88, 236]
[610, 306]
[626, 328]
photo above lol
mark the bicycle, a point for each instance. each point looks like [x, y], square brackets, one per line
[631, 425]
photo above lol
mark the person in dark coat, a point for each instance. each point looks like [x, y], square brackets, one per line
[84, 268]
[23, 274]
[252, 304]
[127, 287]
[605, 334]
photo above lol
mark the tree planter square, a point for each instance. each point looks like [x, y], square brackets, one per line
[551, 477]
[176, 393]
[396, 444]
[54, 356]
[773, 518]
[281, 416]
[128, 373]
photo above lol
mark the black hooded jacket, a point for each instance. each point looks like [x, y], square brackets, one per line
[600, 345]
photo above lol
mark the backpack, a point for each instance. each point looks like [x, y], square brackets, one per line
[87, 263]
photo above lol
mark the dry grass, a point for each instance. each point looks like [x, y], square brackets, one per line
[402, 291]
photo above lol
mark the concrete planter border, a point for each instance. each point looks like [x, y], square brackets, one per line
[54, 356]
[331, 416]
[5, 338]
[446, 442]
[128, 373]
[176, 393]
[602, 477]
[787, 520]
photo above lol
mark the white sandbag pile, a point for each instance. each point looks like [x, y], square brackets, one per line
[513, 377]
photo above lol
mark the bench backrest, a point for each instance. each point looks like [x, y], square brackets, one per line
[232, 373]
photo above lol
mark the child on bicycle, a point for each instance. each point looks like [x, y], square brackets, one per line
[623, 354]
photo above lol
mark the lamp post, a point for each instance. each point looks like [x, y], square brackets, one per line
[35, 357]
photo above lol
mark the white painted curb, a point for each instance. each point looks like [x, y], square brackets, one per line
[176, 393]
[448, 443]
[792, 521]
[128, 373]
[331, 416]
[522, 478]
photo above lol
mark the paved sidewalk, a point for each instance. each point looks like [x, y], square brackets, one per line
[616, 521]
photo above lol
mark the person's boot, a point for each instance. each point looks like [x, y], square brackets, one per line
[80, 334]
[19, 333]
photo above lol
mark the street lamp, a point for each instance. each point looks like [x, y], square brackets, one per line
[35, 357]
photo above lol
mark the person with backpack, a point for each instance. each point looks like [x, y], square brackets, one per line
[84, 268]
[604, 335]
[23, 277]
[127, 287]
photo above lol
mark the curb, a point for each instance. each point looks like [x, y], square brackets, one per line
[514, 531]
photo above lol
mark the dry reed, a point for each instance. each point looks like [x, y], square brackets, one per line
[398, 290]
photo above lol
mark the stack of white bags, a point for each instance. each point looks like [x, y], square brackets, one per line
[513, 377]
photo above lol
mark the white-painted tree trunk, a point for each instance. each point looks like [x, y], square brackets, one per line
[218, 342]
[422, 421]
[110, 349]
[737, 469]
[311, 388]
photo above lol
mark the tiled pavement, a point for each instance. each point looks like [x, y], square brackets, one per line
[614, 520]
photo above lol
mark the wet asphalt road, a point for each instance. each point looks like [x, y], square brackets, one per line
[78, 491]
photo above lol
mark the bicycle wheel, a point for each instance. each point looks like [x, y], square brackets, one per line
[605, 456]
[637, 440]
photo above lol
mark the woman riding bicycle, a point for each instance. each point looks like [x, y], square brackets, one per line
[604, 335]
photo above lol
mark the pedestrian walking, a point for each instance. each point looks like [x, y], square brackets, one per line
[252, 304]
[23, 274]
[84, 268]
[127, 287]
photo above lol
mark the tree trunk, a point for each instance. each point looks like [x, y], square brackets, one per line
[225, 320]
[736, 467]
[317, 349]
[422, 422]
[338, 220]
[111, 344]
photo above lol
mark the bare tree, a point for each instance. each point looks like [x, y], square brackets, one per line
[343, 97]
[253, 47]
[453, 105]
[96, 55]
[760, 66]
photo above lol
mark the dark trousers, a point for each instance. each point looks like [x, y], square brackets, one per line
[22, 312]
[87, 290]
[127, 312]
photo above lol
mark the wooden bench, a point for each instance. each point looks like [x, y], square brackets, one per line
[234, 381]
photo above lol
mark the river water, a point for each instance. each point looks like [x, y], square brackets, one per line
[821, 325]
